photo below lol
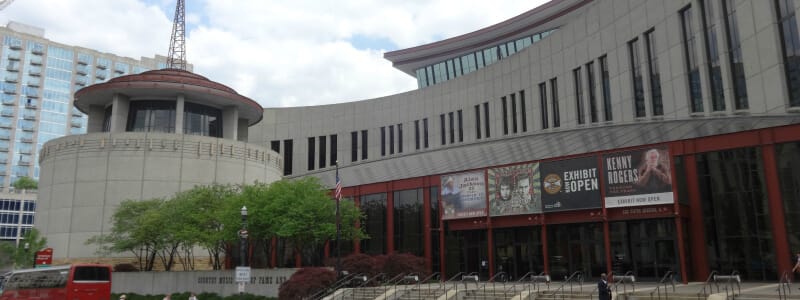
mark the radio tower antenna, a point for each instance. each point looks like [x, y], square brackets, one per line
[177, 43]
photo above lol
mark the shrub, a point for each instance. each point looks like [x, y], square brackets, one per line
[306, 282]
[404, 263]
[125, 267]
[359, 264]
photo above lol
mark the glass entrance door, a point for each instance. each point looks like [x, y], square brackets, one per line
[518, 251]
[648, 248]
[466, 252]
[576, 247]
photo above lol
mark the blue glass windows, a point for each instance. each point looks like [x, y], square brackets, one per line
[151, 116]
[202, 120]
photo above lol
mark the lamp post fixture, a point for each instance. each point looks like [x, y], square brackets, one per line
[27, 251]
[243, 239]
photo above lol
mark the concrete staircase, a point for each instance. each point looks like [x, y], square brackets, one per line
[421, 293]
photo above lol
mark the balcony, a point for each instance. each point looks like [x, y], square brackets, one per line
[28, 128]
[24, 163]
[33, 83]
[81, 70]
[32, 94]
[36, 61]
[15, 44]
[3, 161]
[9, 101]
[28, 140]
[10, 78]
[25, 151]
[14, 56]
[12, 68]
[3, 148]
[102, 65]
[101, 76]
[30, 117]
[31, 105]
[76, 113]
[82, 60]
[7, 113]
[76, 124]
[80, 81]
[11, 90]
[5, 125]
[37, 49]
[5, 137]
[35, 71]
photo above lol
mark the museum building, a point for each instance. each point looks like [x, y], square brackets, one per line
[592, 136]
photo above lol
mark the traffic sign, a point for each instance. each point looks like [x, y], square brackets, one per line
[243, 274]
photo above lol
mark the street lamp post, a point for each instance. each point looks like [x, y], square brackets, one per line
[27, 250]
[243, 245]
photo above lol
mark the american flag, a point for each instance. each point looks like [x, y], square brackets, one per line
[338, 192]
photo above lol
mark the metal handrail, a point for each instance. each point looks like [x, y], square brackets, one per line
[428, 287]
[365, 283]
[570, 280]
[393, 281]
[707, 284]
[621, 281]
[729, 281]
[501, 274]
[670, 275]
[785, 285]
[333, 287]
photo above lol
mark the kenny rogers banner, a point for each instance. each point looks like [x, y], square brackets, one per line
[463, 195]
[514, 190]
[570, 184]
[639, 177]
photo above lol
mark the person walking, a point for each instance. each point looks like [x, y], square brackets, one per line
[192, 297]
[603, 290]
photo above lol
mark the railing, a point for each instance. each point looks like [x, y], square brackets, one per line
[464, 277]
[785, 285]
[365, 283]
[428, 286]
[707, 288]
[347, 279]
[577, 276]
[533, 279]
[668, 278]
[624, 280]
[730, 281]
[393, 281]
[493, 280]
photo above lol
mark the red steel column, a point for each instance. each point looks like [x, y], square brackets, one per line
[678, 221]
[776, 213]
[700, 268]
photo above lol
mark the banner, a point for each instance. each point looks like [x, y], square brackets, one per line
[570, 184]
[463, 195]
[514, 190]
[639, 177]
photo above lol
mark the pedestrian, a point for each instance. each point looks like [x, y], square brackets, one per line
[168, 297]
[123, 297]
[192, 297]
[603, 290]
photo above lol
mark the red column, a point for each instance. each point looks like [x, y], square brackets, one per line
[442, 248]
[775, 202]
[678, 221]
[426, 225]
[389, 219]
[327, 249]
[700, 267]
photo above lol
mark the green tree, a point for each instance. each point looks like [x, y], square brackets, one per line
[20, 256]
[136, 227]
[25, 183]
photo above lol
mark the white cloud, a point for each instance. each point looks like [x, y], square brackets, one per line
[280, 53]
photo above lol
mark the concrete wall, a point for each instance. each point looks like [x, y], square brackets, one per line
[262, 282]
[603, 29]
[85, 177]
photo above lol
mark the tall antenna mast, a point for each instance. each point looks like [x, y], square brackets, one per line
[177, 44]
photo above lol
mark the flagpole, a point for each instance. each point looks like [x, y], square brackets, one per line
[337, 195]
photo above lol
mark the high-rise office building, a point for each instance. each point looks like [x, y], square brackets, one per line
[38, 78]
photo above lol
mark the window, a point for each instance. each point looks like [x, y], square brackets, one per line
[442, 132]
[275, 146]
[151, 116]
[638, 85]
[790, 40]
[452, 127]
[692, 68]
[354, 146]
[592, 92]
[735, 57]
[514, 113]
[486, 119]
[505, 115]
[416, 134]
[576, 74]
[399, 138]
[287, 157]
[554, 93]
[524, 113]
[606, 84]
[364, 144]
[655, 81]
[425, 131]
[391, 139]
[106, 119]
[322, 151]
[543, 104]
[712, 54]
[383, 141]
[334, 155]
[202, 120]
[460, 127]
[478, 121]
[311, 152]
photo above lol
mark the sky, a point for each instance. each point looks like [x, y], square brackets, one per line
[280, 53]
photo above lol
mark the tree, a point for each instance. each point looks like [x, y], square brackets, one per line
[25, 183]
[136, 227]
[22, 258]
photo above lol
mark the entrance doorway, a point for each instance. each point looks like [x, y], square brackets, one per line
[466, 252]
[648, 248]
[518, 251]
[576, 247]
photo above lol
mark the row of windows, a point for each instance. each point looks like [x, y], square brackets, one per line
[511, 100]
[323, 155]
[452, 119]
[15, 205]
[392, 139]
[13, 218]
[458, 66]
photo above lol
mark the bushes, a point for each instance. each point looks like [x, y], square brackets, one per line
[125, 267]
[359, 264]
[391, 265]
[404, 263]
[306, 282]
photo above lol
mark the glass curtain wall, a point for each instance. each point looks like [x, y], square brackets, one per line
[408, 220]
[518, 251]
[151, 116]
[576, 247]
[648, 248]
[736, 213]
[374, 208]
[202, 120]
[788, 160]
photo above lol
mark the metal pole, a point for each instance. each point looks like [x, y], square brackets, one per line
[243, 242]
[338, 230]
